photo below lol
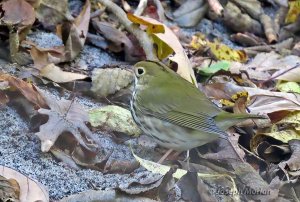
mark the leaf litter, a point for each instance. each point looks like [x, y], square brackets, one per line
[269, 150]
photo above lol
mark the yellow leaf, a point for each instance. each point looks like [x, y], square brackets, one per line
[284, 136]
[218, 50]
[240, 94]
[292, 118]
[152, 26]
[294, 11]
[227, 103]
[167, 43]
[163, 49]
[223, 52]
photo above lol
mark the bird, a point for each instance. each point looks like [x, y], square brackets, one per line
[175, 113]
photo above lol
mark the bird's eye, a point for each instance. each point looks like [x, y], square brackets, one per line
[140, 71]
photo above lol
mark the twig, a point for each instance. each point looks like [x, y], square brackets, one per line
[97, 13]
[281, 73]
[160, 10]
[141, 7]
[268, 25]
[144, 40]
[251, 153]
[216, 7]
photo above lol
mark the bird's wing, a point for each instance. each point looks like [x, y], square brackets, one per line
[188, 109]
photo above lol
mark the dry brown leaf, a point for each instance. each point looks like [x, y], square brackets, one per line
[65, 158]
[54, 73]
[264, 101]
[9, 189]
[30, 190]
[113, 35]
[261, 101]
[117, 40]
[27, 89]
[42, 56]
[194, 189]
[292, 75]
[64, 116]
[74, 34]
[108, 81]
[53, 12]
[141, 184]
[17, 12]
[294, 162]
[262, 66]
[190, 13]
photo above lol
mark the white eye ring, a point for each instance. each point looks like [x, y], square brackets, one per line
[139, 71]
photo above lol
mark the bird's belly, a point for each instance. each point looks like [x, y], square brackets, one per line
[173, 136]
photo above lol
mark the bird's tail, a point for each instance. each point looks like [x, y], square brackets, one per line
[225, 120]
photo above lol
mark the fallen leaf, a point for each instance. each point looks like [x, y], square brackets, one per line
[194, 189]
[163, 169]
[283, 136]
[108, 81]
[264, 101]
[294, 11]
[192, 15]
[96, 160]
[288, 75]
[288, 86]
[29, 91]
[294, 161]
[218, 50]
[30, 190]
[74, 33]
[141, 184]
[214, 68]
[167, 42]
[121, 166]
[263, 64]
[114, 118]
[116, 37]
[292, 118]
[64, 116]
[153, 26]
[166, 186]
[17, 12]
[52, 12]
[44, 56]
[54, 73]
[261, 101]
[9, 189]
[65, 158]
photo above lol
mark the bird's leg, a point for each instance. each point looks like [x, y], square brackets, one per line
[187, 159]
[165, 156]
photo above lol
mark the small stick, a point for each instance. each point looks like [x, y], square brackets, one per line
[285, 71]
[97, 13]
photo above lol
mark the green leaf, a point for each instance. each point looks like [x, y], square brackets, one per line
[288, 86]
[222, 65]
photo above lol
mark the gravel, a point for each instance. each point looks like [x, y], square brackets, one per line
[20, 150]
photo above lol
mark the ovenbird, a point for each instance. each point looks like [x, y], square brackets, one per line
[174, 112]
